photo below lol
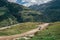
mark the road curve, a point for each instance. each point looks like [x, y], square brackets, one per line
[41, 27]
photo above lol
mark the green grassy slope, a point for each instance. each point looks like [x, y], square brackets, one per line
[52, 33]
[23, 27]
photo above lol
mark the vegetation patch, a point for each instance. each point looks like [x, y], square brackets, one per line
[52, 33]
[23, 27]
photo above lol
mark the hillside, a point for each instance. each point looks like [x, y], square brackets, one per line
[18, 29]
[50, 33]
[50, 10]
[12, 13]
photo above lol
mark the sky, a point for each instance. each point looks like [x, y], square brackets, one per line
[29, 2]
[12, 0]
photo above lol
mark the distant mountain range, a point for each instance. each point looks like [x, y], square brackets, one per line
[13, 13]
[51, 10]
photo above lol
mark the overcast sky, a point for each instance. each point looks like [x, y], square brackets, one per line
[29, 2]
[12, 0]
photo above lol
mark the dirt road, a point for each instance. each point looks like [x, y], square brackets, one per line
[7, 27]
[12, 37]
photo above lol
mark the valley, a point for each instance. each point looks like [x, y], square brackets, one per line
[36, 22]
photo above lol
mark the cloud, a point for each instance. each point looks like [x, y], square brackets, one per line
[29, 2]
[12, 0]
[32, 2]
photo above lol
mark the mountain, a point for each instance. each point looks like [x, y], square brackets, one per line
[51, 10]
[12, 13]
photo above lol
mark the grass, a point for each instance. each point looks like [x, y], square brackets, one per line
[23, 27]
[52, 33]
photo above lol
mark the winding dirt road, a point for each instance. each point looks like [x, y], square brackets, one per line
[7, 27]
[13, 37]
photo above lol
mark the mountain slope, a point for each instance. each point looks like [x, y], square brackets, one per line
[51, 10]
[12, 13]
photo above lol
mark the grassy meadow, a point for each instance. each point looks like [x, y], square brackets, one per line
[52, 32]
[23, 27]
